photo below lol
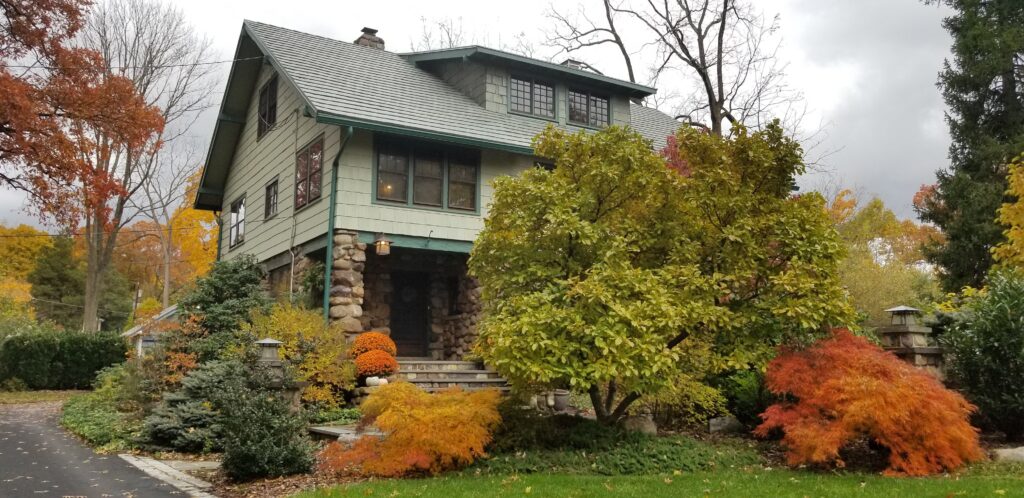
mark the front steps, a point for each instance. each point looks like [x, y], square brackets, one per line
[435, 375]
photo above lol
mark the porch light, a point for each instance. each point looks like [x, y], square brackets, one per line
[269, 350]
[382, 245]
[903, 315]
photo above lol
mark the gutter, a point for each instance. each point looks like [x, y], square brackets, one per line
[346, 135]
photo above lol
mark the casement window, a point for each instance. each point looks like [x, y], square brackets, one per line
[309, 172]
[270, 200]
[428, 176]
[236, 223]
[588, 109]
[530, 96]
[267, 107]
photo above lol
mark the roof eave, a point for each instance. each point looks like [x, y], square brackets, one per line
[629, 88]
[363, 124]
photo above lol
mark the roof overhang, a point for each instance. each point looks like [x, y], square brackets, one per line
[230, 122]
[579, 76]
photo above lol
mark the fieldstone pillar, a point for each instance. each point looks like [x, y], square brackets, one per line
[347, 281]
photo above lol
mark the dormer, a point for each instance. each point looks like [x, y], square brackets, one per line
[570, 94]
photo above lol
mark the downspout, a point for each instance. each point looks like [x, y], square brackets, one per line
[220, 228]
[346, 134]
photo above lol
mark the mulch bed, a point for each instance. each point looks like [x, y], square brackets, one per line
[281, 486]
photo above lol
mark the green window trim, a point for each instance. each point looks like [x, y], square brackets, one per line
[532, 97]
[593, 104]
[449, 156]
[306, 176]
[236, 222]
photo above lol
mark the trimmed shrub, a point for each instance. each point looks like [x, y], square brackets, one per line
[424, 433]
[373, 341]
[339, 416]
[59, 360]
[188, 419]
[262, 437]
[375, 362]
[843, 387]
[986, 346]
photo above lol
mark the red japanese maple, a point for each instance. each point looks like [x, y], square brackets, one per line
[844, 387]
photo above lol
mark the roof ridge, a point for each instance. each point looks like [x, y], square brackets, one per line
[306, 33]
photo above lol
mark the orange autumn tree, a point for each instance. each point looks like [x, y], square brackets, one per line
[843, 388]
[425, 433]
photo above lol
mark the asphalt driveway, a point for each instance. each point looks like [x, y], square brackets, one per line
[39, 459]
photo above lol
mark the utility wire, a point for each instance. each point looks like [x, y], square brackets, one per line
[144, 66]
[107, 232]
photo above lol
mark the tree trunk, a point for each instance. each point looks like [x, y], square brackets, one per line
[94, 273]
[167, 246]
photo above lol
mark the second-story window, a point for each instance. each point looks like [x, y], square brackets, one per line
[236, 224]
[308, 172]
[267, 107]
[532, 97]
[417, 174]
[588, 109]
[270, 200]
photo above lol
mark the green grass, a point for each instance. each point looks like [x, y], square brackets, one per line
[989, 480]
[22, 397]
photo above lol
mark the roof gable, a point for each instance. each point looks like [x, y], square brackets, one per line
[368, 88]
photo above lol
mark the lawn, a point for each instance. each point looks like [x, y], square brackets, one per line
[992, 480]
[20, 397]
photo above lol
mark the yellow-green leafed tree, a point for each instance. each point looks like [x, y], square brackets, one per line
[606, 274]
[318, 353]
[1011, 215]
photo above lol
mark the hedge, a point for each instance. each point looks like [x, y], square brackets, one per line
[59, 360]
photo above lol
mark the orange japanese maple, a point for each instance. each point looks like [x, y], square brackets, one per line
[425, 433]
[844, 387]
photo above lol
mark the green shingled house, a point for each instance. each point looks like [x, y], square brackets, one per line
[380, 164]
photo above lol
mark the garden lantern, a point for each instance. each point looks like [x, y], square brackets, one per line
[382, 245]
[903, 315]
[269, 350]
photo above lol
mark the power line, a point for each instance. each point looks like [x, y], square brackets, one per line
[106, 232]
[144, 66]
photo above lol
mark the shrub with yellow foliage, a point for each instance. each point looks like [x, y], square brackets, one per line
[318, 352]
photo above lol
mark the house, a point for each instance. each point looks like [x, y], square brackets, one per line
[380, 164]
[143, 337]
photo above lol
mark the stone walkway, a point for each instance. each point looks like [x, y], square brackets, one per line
[38, 459]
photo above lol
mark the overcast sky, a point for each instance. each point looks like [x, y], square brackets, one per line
[867, 69]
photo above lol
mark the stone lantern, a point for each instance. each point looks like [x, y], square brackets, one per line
[270, 357]
[911, 341]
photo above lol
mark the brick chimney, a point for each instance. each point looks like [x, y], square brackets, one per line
[370, 39]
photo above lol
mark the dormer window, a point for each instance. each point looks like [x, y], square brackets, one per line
[529, 96]
[268, 107]
[588, 109]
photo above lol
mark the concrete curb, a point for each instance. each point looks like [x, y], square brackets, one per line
[192, 486]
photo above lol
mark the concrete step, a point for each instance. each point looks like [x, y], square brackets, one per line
[503, 389]
[447, 374]
[408, 364]
[463, 383]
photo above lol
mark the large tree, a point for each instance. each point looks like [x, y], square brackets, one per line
[724, 51]
[151, 45]
[60, 110]
[610, 273]
[884, 265]
[983, 85]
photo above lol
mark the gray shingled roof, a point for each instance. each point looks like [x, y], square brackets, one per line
[368, 88]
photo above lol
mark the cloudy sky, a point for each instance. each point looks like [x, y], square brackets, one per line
[867, 69]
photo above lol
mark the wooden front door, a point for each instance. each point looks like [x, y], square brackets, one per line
[410, 312]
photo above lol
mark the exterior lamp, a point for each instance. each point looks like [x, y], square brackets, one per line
[382, 245]
[903, 316]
